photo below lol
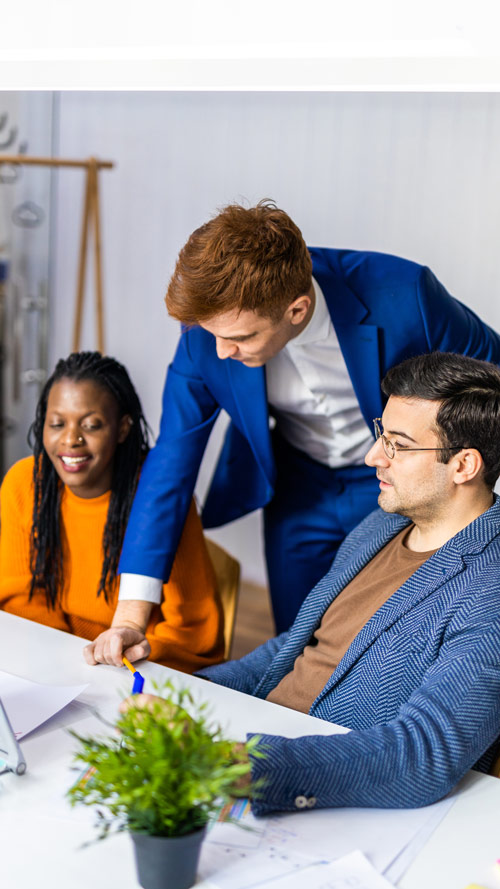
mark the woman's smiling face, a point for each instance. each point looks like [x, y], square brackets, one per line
[81, 432]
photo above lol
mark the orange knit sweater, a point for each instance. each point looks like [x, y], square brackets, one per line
[185, 632]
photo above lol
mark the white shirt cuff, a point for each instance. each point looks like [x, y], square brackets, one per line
[137, 586]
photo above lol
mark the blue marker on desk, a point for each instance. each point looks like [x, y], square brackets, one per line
[138, 679]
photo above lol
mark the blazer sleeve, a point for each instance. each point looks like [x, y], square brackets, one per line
[452, 327]
[187, 632]
[16, 501]
[443, 729]
[170, 470]
[246, 673]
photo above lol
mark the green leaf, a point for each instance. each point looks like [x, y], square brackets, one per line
[166, 770]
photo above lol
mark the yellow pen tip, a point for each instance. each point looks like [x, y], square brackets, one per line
[128, 665]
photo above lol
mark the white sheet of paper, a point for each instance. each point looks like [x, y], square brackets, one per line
[330, 833]
[324, 835]
[293, 871]
[239, 857]
[28, 704]
[401, 863]
[243, 831]
[352, 871]
[232, 867]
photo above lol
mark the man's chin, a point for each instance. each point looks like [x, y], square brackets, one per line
[385, 503]
[252, 362]
[393, 508]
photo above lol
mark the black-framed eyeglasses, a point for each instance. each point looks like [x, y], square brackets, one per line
[390, 447]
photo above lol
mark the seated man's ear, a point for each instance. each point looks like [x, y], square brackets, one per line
[469, 465]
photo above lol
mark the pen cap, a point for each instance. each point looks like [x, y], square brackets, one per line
[138, 684]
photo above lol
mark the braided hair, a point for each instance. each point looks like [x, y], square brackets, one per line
[45, 544]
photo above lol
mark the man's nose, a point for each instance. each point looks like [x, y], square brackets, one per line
[225, 349]
[376, 456]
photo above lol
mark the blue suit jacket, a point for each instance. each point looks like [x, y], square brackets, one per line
[384, 309]
[419, 686]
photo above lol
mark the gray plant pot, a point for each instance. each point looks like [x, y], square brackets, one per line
[167, 862]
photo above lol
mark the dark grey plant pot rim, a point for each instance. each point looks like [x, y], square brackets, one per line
[159, 836]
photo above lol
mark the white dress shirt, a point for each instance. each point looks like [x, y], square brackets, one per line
[312, 397]
[316, 409]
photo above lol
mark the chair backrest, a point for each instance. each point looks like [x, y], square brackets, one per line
[227, 572]
[495, 769]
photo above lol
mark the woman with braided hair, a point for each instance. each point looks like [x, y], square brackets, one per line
[63, 516]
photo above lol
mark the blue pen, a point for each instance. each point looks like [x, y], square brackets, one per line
[138, 683]
[138, 679]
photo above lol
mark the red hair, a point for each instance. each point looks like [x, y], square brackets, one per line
[252, 259]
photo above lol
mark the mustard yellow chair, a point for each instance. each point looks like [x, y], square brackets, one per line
[495, 769]
[227, 572]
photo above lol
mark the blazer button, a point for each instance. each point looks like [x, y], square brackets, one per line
[301, 802]
[311, 802]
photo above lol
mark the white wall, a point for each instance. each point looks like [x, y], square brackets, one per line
[406, 173]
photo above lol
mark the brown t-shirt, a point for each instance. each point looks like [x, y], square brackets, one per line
[343, 620]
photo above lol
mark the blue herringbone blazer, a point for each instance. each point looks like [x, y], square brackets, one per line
[419, 686]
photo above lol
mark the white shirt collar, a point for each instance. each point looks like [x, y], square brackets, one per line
[318, 325]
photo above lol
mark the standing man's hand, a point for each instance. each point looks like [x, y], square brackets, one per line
[126, 636]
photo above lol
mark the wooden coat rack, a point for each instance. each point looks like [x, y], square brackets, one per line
[91, 217]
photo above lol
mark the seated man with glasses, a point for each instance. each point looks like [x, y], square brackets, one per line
[400, 641]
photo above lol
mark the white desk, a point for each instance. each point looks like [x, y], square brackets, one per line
[39, 839]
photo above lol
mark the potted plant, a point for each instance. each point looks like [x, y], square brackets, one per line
[161, 775]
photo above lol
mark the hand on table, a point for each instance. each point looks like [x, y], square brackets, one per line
[110, 646]
[242, 785]
[126, 636]
[154, 703]
[147, 702]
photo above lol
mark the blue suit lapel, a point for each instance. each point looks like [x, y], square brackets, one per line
[248, 387]
[359, 342]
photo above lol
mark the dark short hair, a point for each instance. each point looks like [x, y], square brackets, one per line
[249, 259]
[469, 392]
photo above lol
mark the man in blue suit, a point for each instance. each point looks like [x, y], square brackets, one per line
[303, 337]
[400, 641]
